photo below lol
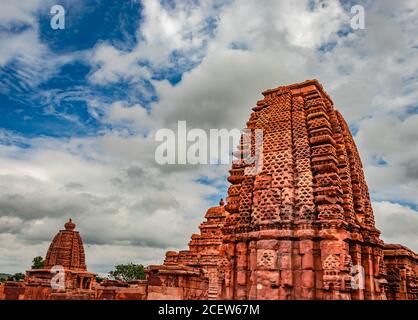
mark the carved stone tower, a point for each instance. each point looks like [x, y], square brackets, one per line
[64, 275]
[302, 224]
[66, 249]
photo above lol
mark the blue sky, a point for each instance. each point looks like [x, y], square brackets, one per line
[80, 106]
[65, 112]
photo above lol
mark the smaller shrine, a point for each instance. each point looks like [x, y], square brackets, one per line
[64, 273]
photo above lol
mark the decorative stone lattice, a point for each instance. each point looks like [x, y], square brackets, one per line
[267, 259]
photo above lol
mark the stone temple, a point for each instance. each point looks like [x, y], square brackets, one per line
[301, 226]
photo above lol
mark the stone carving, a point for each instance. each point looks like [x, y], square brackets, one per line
[224, 267]
[402, 271]
[266, 259]
[331, 267]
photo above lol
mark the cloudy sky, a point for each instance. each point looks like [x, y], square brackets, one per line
[80, 106]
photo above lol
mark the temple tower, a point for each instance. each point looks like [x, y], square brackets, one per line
[64, 275]
[303, 225]
[66, 249]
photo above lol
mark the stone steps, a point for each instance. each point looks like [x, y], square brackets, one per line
[213, 292]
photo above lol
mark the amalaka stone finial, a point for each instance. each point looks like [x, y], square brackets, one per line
[70, 225]
[221, 202]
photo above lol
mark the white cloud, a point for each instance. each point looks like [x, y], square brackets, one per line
[111, 187]
[398, 224]
[128, 208]
[389, 149]
[222, 89]
[163, 31]
[35, 63]
[18, 11]
[114, 65]
[135, 116]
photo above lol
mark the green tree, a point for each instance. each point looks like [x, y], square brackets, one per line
[38, 263]
[17, 277]
[4, 277]
[128, 272]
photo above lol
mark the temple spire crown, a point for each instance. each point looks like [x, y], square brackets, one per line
[70, 225]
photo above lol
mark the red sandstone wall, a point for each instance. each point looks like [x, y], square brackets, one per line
[14, 290]
[138, 292]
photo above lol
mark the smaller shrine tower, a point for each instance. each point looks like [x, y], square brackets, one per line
[64, 274]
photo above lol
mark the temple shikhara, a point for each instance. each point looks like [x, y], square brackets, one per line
[301, 226]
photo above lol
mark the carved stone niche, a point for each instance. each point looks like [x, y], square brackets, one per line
[331, 277]
[224, 267]
[266, 259]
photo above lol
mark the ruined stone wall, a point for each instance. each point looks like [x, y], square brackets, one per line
[193, 273]
[14, 290]
[177, 282]
[119, 290]
[402, 272]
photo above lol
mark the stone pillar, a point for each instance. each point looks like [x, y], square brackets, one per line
[306, 247]
[229, 272]
[403, 290]
[355, 252]
[267, 270]
[286, 270]
[367, 258]
[252, 263]
[241, 270]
